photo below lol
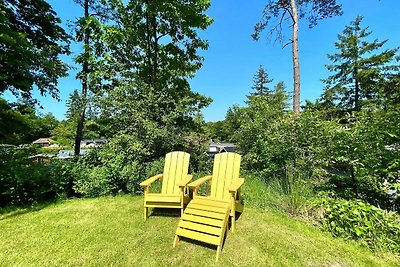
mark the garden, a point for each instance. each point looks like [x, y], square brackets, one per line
[321, 177]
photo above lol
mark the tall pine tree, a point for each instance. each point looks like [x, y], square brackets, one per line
[278, 12]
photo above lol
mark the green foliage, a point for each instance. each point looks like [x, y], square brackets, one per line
[20, 124]
[291, 195]
[200, 162]
[358, 152]
[354, 219]
[93, 126]
[158, 40]
[351, 157]
[23, 182]
[31, 43]
[64, 133]
[227, 129]
[359, 71]
[74, 106]
[276, 143]
[260, 81]
[256, 193]
[155, 120]
[118, 167]
[138, 65]
[284, 195]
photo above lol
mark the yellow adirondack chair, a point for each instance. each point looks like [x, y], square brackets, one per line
[206, 217]
[174, 181]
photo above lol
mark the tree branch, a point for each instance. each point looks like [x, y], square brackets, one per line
[290, 42]
[290, 13]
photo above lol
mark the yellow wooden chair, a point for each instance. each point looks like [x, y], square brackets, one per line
[174, 181]
[206, 217]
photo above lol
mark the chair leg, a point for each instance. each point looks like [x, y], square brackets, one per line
[176, 240]
[146, 213]
[218, 252]
[233, 223]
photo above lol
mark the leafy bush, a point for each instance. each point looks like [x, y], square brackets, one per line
[355, 219]
[117, 167]
[360, 165]
[23, 182]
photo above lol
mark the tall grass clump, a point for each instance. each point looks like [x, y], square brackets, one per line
[289, 195]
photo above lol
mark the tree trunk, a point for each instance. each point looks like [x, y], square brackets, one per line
[149, 45]
[155, 43]
[296, 63]
[357, 95]
[85, 70]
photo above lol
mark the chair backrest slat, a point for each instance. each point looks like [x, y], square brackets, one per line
[175, 169]
[225, 171]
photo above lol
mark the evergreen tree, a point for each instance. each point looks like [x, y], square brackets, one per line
[391, 91]
[280, 87]
[74, 106]
[359, 69]
[260, 82]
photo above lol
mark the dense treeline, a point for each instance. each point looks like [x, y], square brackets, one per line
[337, 161]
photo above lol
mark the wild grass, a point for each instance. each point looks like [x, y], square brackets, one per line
[289, 195]
[110, 231]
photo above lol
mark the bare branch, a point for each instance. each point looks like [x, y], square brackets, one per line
[288, 43]
[290, 13]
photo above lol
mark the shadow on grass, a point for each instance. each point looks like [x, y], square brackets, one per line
[237, 216]
[11, 212]
[199, 243]
[163, 212]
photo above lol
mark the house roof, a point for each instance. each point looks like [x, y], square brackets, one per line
[222, 144]
[41, 156]
[66, 154]
[96, 140]
[42, 141]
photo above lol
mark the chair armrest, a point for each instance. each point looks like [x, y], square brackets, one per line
[184, 182]
[200, 181]
[235, 185]
[151, 180]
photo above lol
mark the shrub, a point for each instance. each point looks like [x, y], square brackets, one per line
[118, 167]
[23, 182]
[355, 219]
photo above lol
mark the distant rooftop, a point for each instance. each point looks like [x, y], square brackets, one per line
[66, 154]
[45, 140]
[219, 147]
[224, 144]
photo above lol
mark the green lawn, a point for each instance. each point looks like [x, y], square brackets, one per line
[111, 231]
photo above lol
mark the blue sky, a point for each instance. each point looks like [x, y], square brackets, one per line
[233, 57]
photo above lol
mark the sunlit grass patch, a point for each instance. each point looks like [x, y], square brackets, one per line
[111, 231]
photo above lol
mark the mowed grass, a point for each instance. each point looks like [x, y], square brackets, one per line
[111, 232]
